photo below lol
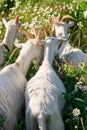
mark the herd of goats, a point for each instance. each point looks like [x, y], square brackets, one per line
[43, 94]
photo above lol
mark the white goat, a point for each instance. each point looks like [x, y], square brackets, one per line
[66, 52]
[13, 82]
[44, 94]
[10, 35]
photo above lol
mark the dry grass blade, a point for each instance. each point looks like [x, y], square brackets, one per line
[13, 52]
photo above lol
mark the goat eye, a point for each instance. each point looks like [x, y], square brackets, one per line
[52, 39]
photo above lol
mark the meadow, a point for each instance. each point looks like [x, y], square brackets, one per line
[40, 12]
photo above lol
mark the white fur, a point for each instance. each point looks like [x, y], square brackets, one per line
[44, 94]
[66, 52]
[13, 82]
[10, 35]
[71, 55]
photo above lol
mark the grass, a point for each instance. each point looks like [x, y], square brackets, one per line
[40, 12]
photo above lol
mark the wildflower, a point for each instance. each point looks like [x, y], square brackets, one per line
[70, 7]
[78, 86]
[74, 1]
[21, 17]
[76, 112]
[26, 24]
[79, 83]
[5, 5]
[2, 12]
[85, 14]
[51, 9]
[59, 69]
[84, 88]
[80, 25]
[17, 4]
[76, 126]
[86, 108]
[63, 8]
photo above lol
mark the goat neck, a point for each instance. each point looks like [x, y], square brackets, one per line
[49, 49]
[49, 55]
[10, 36]
[25, 57]
[65, 46]
[1, 53]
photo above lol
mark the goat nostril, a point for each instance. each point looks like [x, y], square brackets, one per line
[52, 39]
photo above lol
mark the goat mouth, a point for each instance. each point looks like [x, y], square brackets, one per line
[6, 47]
[59, 45]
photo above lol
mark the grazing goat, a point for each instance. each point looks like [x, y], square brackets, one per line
[13, 82]
[10, 35]
[44, 94]
[66, 52]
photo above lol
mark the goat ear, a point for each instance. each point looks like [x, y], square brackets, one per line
[70, 24]
[4, 22]
[20, 45]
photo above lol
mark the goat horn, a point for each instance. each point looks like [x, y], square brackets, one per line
[39, 35]
[57, 19]
[29, 35]
[33, 27]
[66, 17]
[45, 30]
[53, 20]
[17, 19]
[53, 31]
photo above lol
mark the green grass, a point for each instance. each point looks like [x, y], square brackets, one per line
[40, 12]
